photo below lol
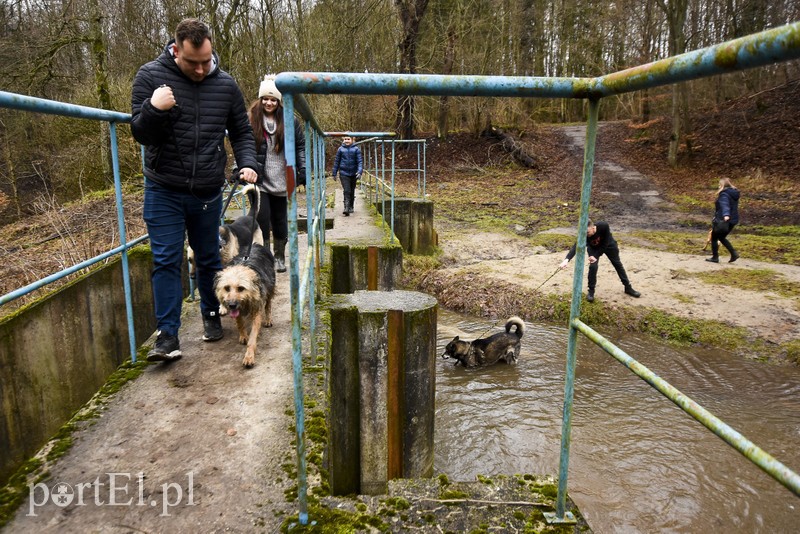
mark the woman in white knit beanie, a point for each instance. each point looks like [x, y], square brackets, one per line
[266, 119]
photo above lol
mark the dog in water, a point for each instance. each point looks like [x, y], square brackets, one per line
[235, 237]
[245, 289]
[486, 351]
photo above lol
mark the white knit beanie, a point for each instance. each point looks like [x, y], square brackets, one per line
[268, 88]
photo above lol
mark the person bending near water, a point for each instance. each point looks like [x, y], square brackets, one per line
[599, 241]
[726, 217]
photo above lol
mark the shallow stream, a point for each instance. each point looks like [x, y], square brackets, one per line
[638, 462]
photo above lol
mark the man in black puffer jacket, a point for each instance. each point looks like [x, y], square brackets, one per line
[182, 105]
[599, 241]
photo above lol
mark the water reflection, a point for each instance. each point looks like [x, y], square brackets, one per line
[639, 463]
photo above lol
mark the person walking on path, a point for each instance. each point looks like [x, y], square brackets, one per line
[349, 164]
[266, 120]
[726, 217]
[599, 241]
[182, 104]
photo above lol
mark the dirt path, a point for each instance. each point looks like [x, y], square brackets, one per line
[631, 201]
[658, 275]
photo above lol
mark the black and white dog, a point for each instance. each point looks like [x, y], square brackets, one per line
[503, 346]
[236, 236]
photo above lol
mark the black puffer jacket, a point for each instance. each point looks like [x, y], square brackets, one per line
[185, 146]
[597, 244]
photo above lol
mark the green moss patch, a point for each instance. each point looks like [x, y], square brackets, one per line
[36, 469]
[749, 279]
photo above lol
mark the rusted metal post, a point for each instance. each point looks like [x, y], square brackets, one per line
[561, 515]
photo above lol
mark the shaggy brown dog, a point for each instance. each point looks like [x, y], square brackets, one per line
[245, 289]
[486, 351]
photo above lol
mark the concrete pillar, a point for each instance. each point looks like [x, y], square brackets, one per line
[359, 267]
[382, 389]
[413, 224]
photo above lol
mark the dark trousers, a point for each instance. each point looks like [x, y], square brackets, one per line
[613, 257]
[718, 237]
[170, 216]
[272, 216]
[348, 190]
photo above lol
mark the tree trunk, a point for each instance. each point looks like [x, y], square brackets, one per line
[411, 12]
[101, 83]
[12, 171]
[676, 18]
[447, 68]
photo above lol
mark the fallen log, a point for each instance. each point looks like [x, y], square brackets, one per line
[511, 145]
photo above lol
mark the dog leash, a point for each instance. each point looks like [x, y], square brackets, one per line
[548, 279]
[537, 289]
[235, 184]
[236, 181]
[253, 224]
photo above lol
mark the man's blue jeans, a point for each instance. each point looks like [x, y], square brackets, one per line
[169, 216]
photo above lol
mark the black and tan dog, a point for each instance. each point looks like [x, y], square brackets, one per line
[486, 351]
[235, 237]
[245, 289]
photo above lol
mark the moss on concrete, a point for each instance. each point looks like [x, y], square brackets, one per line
[37, 468]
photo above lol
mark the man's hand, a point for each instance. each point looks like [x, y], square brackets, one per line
[592, 259]
[726, 218]
[563, 264]
[335, 177]
[246, 174]
[162, 98]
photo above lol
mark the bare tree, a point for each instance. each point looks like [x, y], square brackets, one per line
[676, 10]
[411, 12]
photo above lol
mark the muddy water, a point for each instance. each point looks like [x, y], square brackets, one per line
[638, 463]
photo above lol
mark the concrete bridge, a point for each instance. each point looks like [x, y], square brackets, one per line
[201, 444]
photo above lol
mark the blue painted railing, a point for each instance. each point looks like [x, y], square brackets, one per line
[765, 48]
[40, 105]
[376, 182]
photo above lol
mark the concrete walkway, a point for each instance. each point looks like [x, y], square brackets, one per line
[199, 445]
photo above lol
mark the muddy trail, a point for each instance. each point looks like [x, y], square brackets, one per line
[629, 198]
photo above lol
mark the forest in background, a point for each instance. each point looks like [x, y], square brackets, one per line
[87, 52]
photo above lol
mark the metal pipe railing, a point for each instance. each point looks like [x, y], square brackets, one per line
[750, 450]
[779, 44]
[40, 105]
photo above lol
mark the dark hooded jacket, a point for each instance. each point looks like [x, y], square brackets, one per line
[727, 204]
[185, 145]
[597, 244]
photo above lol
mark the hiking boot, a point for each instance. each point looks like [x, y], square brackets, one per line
[590, 296]
[734, 257]
[632, 292]
[280, 255]
[212, 327]
[714, 259]
[166, 349]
